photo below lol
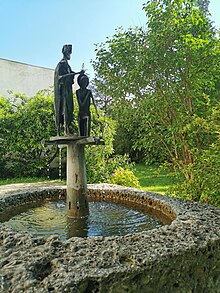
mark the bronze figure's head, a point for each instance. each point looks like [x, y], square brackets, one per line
[67, 51]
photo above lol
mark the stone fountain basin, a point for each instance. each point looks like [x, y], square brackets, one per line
[181, 257]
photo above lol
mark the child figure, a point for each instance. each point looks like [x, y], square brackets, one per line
[84, 97]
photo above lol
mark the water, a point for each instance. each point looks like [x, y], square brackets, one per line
[105, 219]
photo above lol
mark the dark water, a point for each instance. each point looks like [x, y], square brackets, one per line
[105, 219]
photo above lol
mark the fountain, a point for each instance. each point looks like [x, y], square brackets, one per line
[105, 219]
[182, 256]
[76, 199]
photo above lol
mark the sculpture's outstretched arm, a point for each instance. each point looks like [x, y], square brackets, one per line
[93, 101]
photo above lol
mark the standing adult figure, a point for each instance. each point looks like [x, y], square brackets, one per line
[63, 92]
[84, 98]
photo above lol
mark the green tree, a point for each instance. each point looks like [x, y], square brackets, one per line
[168, 78]
[184, 71]
[120, 81]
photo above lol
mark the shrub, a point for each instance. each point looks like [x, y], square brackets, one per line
[204, 184]
[124, 177]
[24, 124]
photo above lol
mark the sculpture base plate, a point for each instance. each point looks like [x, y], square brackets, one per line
[65, 140]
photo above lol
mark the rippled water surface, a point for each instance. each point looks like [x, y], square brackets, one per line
[105, 219]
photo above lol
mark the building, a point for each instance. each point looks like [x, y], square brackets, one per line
[23, 78]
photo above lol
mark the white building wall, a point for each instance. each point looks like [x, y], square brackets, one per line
[23, 78]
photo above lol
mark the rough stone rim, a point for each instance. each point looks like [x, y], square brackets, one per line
[151, 202]
[176, 209]
[113, 261]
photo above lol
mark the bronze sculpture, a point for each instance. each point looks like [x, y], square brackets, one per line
[84, 97]
[63, 93]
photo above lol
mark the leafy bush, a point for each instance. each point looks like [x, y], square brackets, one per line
[124, 177]
[100, 161]
[100, 166]
[24, 124]
[203, 184]
[113, 163]
[97, 155]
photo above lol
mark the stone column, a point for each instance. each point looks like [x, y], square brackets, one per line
[76, 200]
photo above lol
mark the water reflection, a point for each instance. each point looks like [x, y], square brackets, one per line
[77, 227]
[105, 219]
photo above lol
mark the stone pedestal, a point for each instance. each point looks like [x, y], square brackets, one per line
[76, 199]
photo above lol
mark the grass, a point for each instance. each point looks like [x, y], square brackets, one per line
[22, 180]
[151, 180]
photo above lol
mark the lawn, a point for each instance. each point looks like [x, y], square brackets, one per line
[22, 180]
[151, 180]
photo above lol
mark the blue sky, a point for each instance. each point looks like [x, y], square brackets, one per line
[34, 31]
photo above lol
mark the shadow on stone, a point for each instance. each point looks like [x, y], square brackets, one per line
[92, 287]
[41, 269]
